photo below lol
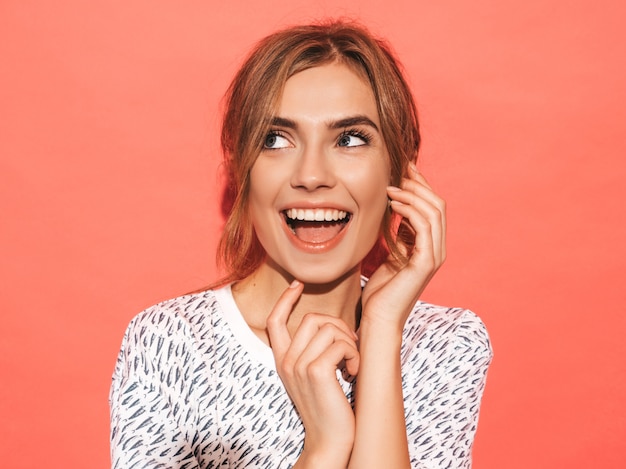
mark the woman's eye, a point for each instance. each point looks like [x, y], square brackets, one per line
[275, 140]
[351, 140]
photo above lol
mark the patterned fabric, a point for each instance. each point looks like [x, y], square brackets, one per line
[194, 387]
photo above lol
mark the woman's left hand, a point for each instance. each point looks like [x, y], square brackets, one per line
[391, 293]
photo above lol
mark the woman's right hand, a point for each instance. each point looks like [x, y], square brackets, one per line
[307, 364]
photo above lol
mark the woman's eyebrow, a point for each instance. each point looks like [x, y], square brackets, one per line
[284, 122]
[338, 124]
[353, 120]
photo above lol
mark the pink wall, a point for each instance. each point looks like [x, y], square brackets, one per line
[110, 201]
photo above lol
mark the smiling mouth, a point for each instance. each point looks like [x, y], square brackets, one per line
[317, 225]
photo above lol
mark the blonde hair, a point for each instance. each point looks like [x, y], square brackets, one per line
[251, 102]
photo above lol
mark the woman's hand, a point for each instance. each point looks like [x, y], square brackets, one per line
[390, 293]
[307, 365]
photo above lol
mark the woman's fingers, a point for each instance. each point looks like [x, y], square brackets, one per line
[429, 234]
[313, 324]
[425, 211]
[427, 250]
[324, 365]
[276, 322]
[316, 335]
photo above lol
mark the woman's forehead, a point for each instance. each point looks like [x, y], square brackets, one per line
[328, 92]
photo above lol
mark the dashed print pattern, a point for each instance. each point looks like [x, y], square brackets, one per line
[192, 389]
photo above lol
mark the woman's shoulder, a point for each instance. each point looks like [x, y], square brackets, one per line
[188, 319]
[173, 315]
[170, 334]
[440, 327]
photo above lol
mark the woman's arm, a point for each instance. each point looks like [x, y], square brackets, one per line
[380, 439]
[144, 432]
[388, 298]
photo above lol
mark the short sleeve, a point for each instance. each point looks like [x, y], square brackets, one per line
[151, 397]
[444, 374]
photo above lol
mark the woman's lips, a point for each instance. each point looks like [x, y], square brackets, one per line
[315, 230]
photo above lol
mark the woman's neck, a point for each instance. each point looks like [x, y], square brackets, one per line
[257, 294]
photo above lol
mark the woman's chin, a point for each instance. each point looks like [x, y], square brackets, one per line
[322, 274]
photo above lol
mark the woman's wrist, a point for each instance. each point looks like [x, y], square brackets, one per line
[379, 328]
[327, 459]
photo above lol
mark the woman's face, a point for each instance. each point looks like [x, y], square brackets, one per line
[318, 188]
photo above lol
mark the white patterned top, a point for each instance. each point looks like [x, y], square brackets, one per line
[194, 387]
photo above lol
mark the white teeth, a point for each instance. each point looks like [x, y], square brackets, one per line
[315, 214]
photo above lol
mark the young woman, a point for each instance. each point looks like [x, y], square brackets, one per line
[296, 359]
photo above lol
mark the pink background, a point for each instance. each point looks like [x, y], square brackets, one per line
[110, 200]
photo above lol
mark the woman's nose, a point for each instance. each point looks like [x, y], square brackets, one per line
[313, 170]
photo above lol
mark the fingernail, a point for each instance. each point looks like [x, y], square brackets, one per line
[393, 188]
[294, 284]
